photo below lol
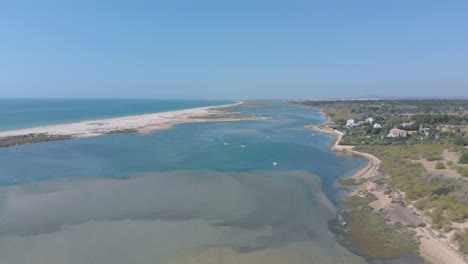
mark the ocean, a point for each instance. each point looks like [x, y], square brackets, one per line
[26, 113]
[222, 192]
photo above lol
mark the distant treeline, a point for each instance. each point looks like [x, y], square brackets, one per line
[449, 119]
[393, 107]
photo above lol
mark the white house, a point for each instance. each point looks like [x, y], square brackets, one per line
[369, 120]
[377, 125]
[350, 123]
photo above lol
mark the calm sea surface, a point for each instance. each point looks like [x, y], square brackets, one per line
[25, 113]
[202, 192]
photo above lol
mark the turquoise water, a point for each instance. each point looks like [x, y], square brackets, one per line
[25, 113]
[196, 146]
[204, 192]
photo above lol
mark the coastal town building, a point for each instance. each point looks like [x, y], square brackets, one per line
[369, 120]
[397, 133]
[350, 123]
[377, 125]
[424, 130]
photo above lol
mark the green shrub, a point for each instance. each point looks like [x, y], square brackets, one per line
[357, 200]
[438, 218]
[463, 171]
[464, 158]
[433, 156]
[351, 181]
[439, 165]
[452, 148]
[380, 181]
[447, 228]
[422, 203]
[450, 163]
[462, 238]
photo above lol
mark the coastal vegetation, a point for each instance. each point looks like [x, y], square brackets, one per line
[463, 158]
[351, 181]
[370, 234]
[391, 107]
[342, 113]
[355, 201]
[122, 131]
[440, 165]
[422, 146]
[462, 238]
[463, 171]
[443, 200]
[30, 139]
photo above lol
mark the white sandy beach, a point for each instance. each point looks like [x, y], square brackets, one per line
[142, 123]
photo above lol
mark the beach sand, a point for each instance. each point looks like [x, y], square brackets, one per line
[435, 251]
[432, 248]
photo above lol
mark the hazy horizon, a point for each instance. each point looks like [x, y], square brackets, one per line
[248, 99]
[240, 50]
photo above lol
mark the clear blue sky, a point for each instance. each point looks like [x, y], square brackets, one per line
[233, 49]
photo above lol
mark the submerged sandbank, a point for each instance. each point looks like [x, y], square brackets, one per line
[172, 217]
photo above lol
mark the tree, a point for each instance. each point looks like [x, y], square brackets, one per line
[392, 122]
[459, 141]
[368, 129]
[340, 122]
[376, 131]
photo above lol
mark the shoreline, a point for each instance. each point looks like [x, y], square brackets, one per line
[145, 123]
[371, 168]
[431, 248]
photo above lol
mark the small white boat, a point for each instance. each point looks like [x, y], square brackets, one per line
[275, 163]
[226, 144]
[242, 146]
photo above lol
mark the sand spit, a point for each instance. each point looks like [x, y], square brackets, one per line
[432, 249]
[139, 123]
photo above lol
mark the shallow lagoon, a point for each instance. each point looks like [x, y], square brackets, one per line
[178, 195]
